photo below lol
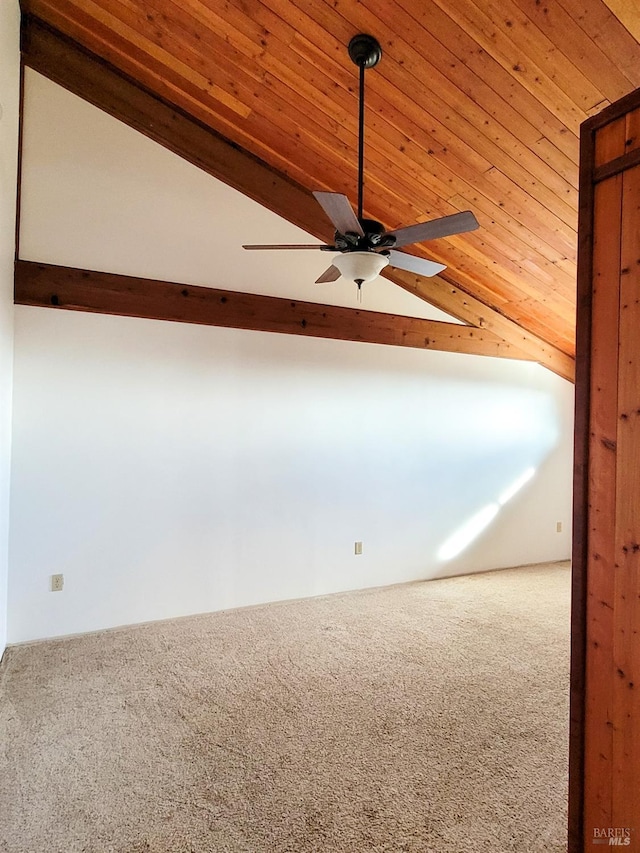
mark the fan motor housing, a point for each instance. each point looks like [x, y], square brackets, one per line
[370, 226]
[374, 238]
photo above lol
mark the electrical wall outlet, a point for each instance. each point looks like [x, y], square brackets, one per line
[57, 582]
[558, 527]
[358, 548]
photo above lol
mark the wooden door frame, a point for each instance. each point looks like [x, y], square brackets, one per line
[590, 176]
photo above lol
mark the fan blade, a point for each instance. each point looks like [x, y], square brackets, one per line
[446, 226]
[340, 212]
[290, 246]
[403, 261]
[330, 274]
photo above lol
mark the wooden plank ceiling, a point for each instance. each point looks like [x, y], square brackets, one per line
[476, 105]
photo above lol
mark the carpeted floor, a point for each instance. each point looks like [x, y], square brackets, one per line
[424, 717]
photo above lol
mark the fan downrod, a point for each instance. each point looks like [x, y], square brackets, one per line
[365, 51]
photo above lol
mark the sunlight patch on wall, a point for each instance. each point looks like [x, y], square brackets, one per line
[469, 531]
[473, 527]
[515, 487]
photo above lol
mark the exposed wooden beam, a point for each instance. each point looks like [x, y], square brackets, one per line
[61, 60]
[48, 286]
[453, 300]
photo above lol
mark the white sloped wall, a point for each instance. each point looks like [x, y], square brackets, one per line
[167, 469]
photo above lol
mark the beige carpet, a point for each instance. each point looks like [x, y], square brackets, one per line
[425, 717]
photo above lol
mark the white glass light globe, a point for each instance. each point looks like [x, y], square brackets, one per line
[360, 266]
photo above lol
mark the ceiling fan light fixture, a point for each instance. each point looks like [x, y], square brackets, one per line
[360, 266]
[365, 247]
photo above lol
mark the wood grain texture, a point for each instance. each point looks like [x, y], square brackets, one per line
[626, 588]
[476, 104]
[602, 500]
[95, 81]
[580, 544]
[627, 13]
[609, 143]
[620, 164]
[607, 499]
[45, 285]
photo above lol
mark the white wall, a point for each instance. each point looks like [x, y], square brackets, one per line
[167, 469]
[9, 100]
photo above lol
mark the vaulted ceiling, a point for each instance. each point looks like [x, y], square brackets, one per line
[476, 104]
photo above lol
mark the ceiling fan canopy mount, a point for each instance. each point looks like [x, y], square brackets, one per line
[365, 50]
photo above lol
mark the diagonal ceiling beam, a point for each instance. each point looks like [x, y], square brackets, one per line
[66, 63]
[48, 286]
[453, 300]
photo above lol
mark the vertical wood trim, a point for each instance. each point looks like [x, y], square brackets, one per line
[626, 633]
[580, 493]
[602, 504]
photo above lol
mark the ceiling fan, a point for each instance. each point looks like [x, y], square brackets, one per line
[365, 247]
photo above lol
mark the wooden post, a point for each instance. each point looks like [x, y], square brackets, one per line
[605, 724]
